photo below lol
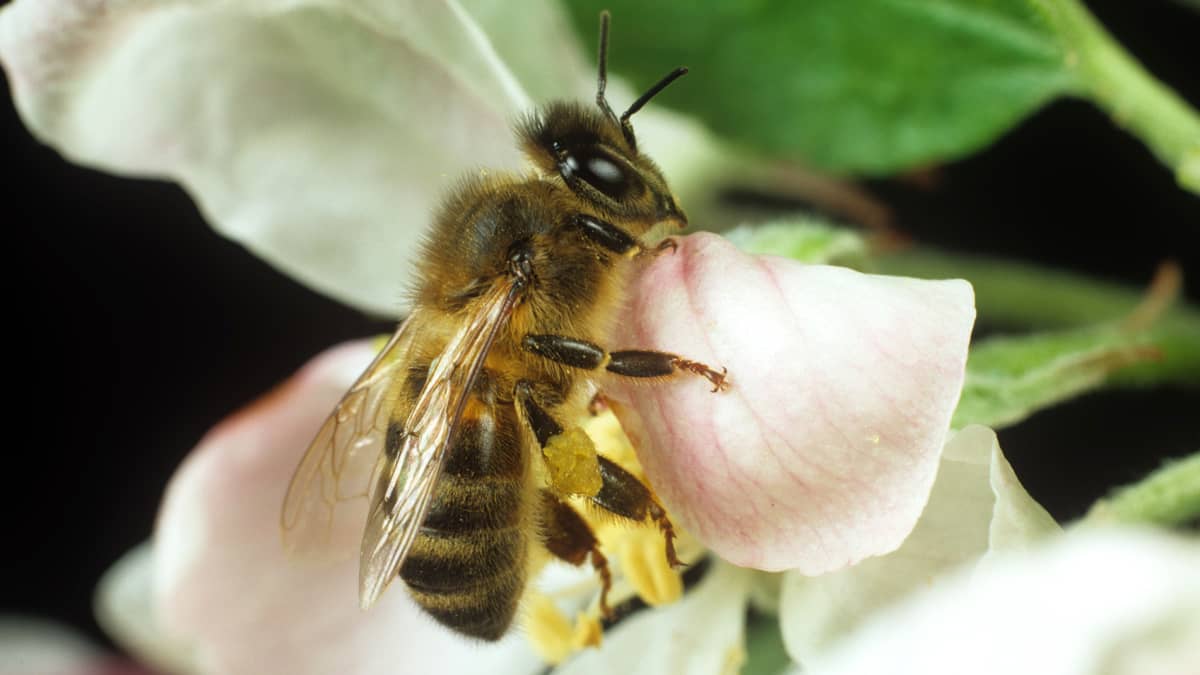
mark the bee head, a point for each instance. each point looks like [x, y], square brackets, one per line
[595, 152]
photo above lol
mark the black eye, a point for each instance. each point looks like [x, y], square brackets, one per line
[598, 170]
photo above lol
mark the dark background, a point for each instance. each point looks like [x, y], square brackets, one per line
[135, 328]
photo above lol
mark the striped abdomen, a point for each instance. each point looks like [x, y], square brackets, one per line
[467, 565]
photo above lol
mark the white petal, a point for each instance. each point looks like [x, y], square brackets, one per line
[320, 135]
[552, 66]
[1017, 520]
[702, 634]
[125, 609]
[1095, 602]
[31, 646]
[976, 505]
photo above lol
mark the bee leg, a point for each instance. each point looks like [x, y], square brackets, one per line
[622, 494]
[567, 535]
[668, 244]
[646, 363]
[614, 489]
[615, 239]
[630, 362]
[570, 455]
[543, 425]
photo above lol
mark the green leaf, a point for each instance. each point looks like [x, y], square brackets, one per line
[1018, 294]
[765, 653]
[867, 86]
[1083, 313]
[807, 239]
[1010, 378]
[1087, 341]
[1169, 496]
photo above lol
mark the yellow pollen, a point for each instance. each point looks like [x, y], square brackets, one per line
[572, 464]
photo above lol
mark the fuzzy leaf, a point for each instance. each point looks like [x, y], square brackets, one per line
[1169, 496]
[807, 239]
[1009, 378]
[1088, 339]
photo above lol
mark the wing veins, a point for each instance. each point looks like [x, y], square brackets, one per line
[403, 487]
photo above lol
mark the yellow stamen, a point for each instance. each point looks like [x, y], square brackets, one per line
[548, 629]
[588, 632]
[552, 634]
[643, 561]
[612, 442]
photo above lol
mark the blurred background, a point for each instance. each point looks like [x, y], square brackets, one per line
[139, 328]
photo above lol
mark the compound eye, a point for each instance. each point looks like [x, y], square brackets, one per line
[598, 170]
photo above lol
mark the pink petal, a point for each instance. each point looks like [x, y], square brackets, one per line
[824, 450]
[224, 584]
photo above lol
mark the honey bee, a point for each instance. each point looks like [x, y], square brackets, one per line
[444, 434]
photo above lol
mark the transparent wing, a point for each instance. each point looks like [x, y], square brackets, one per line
[403, 482]
[319, 511]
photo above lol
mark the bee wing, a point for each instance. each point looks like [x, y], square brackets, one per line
[403, 481]
[337, 466]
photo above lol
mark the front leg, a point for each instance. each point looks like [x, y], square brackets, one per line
[616, 239]
[630, 363]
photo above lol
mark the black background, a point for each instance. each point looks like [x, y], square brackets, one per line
[134, 328]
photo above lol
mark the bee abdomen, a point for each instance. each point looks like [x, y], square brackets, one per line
[471, 583]
[467, 565]
[466, 506]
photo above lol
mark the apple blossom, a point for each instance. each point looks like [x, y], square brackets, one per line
[319, 136]
[222, 579]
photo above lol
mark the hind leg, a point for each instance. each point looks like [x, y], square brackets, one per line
[619, 492]
[568, 537]
[622, 494]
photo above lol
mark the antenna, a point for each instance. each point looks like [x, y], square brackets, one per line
[602, 78]
[602, 84]
[652, 92]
